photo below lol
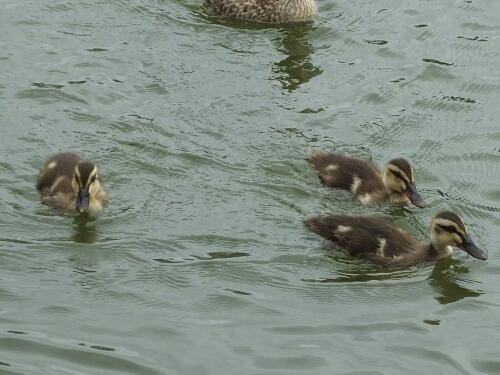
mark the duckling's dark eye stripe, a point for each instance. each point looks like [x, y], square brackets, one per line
[452, 229]
[400, 176]
[448, 228]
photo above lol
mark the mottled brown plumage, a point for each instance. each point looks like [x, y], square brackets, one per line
[68, 183]
[269, 11]
[365, 181]
[381, 242]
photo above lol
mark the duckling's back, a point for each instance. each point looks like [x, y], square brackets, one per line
[342, 172]
[375, 239]
[59, 166]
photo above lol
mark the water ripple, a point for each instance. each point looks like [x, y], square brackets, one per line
[74, 355]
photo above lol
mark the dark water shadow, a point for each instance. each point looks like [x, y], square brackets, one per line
[445, 279]
[297, 67]
[84, 229]
[356, 270]
[361, 277]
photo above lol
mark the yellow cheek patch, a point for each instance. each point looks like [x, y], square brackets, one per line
[457, 239]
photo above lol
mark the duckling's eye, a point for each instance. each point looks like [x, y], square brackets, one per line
[92, 179]
[397, 174]
[449, 228]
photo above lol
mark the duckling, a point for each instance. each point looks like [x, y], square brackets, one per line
[269, 11]
[364, 180]
[69, 183]
[381, 242]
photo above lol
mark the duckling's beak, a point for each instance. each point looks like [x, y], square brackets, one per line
[414, 196]
[82, 200]
[469, 246]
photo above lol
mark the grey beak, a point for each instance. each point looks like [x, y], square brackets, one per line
[414, 196]
[82, 200]
[470, 247]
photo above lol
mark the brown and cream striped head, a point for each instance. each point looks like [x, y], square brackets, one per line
[398, 177]
[448, 229]
[86, 185]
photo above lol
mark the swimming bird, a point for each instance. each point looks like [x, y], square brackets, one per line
[365, 181]
[269, 11]
[69, 183]
[381, 242]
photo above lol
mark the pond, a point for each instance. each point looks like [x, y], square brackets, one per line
[200, 127]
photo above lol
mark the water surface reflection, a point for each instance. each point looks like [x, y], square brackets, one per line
[84, 229]
[446, 279]
[297, 67]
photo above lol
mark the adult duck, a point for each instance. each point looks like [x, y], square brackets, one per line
[268, 11]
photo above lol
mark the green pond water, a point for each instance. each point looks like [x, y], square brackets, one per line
[199, 127]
